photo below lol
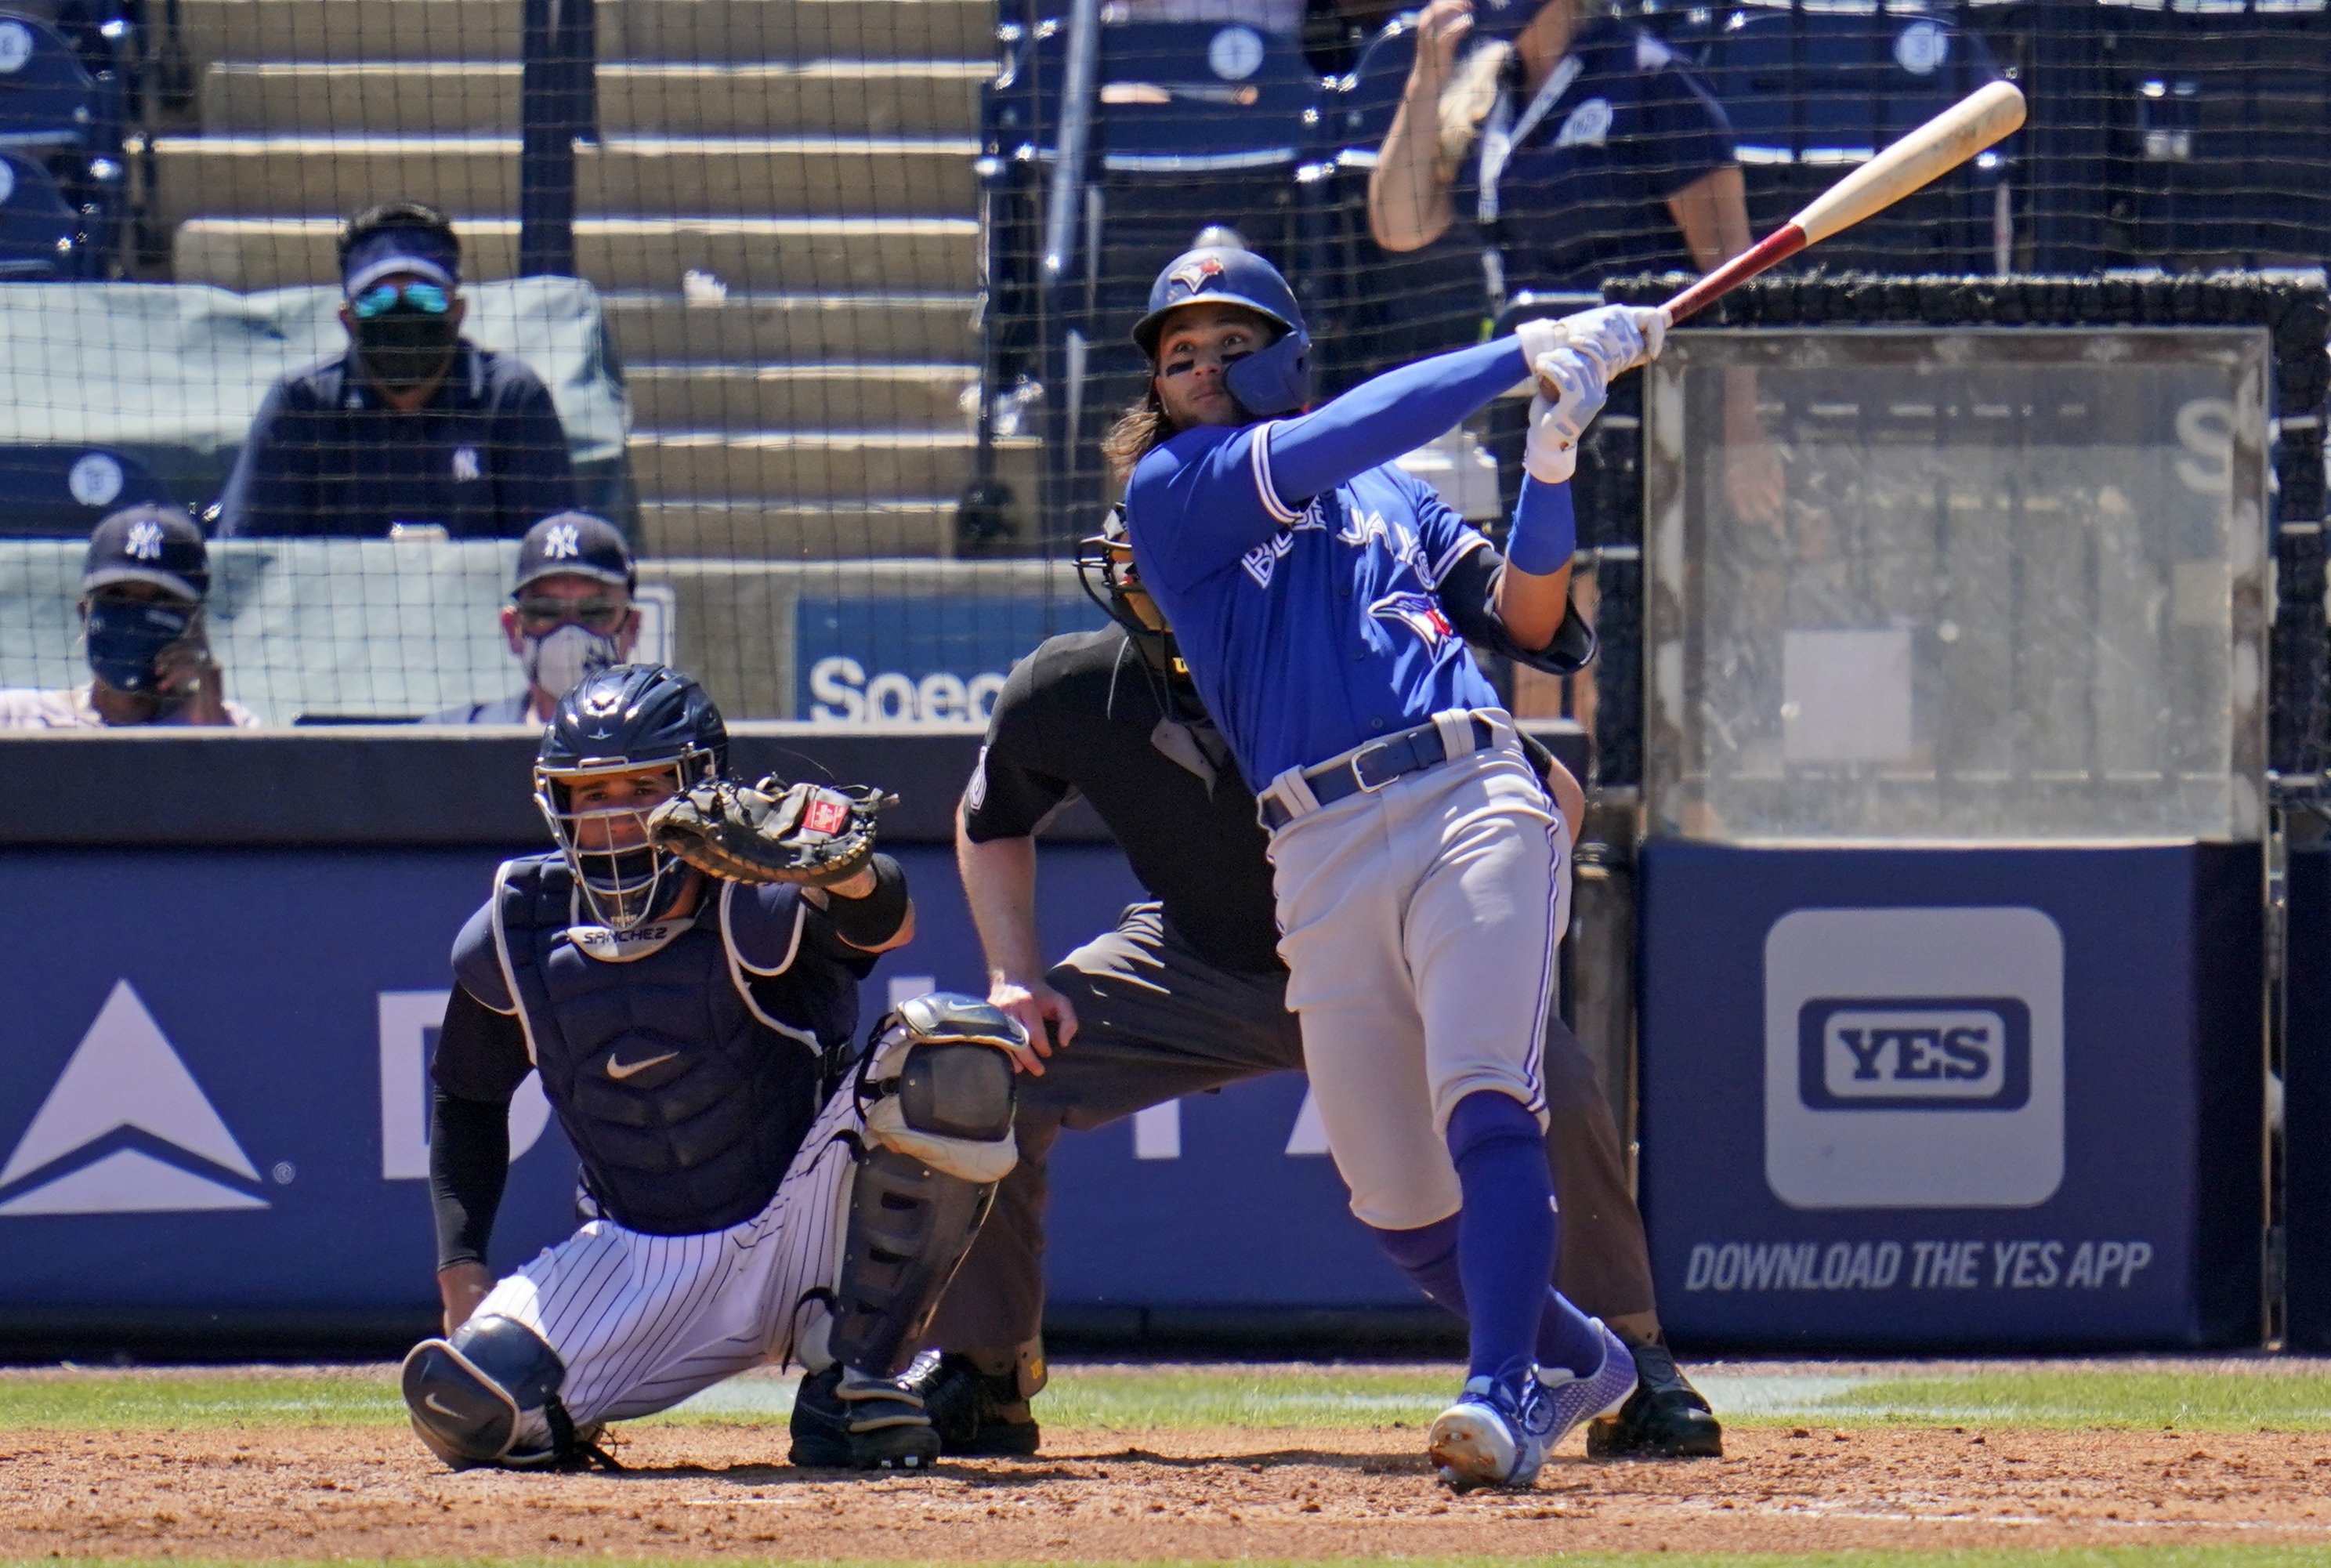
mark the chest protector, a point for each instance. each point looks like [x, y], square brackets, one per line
[684, 1103]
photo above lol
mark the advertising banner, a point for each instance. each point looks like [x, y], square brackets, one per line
[915, 660]
[1925, 1098]
[217, 1097]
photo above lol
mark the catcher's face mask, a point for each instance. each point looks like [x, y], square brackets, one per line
[600, 818]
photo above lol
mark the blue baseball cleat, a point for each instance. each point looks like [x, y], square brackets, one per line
[1499, 1434]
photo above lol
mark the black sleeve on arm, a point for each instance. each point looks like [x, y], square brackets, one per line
[1469, 597]
[873, 918]
[481, 1060]
[1010, 794]
[469, 1161]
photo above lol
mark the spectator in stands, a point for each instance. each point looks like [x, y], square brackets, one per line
[141, 608]
[414, 425]
[570, 614]
[1579, 149]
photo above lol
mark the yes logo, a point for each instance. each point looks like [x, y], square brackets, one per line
[1914, 1059]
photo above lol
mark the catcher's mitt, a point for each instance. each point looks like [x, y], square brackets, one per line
[772, 831]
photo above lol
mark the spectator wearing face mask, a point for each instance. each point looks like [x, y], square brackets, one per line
[570, 615]
[141, 607]
[414, 424]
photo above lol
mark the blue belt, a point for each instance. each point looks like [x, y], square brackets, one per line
[1371, 767]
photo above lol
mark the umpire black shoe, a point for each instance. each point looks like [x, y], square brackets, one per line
[977, 1414]
[1665, 1419]
[847, 1420]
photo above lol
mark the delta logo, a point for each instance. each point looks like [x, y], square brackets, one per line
[127, 1130]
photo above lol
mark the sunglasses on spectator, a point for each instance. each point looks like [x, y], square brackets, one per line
[382, 298]
[541, 613]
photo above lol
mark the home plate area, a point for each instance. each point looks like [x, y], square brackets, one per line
[279, 1466]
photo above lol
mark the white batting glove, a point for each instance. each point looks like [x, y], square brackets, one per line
[1556, 424]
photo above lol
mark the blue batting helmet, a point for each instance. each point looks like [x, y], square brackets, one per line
[1273, 380]
[619, 720]
[1504, 19]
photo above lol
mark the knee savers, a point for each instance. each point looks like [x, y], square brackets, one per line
[936, 1084]
[488, 1396]
[935, 1091]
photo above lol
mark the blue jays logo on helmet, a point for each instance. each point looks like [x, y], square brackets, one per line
[1272, 381]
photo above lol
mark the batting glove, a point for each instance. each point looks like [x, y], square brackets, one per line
[1551, 455]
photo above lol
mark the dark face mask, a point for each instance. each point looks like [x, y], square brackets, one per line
[127, 636]
[403, 349]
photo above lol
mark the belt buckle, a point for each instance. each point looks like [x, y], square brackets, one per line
[1360, 769]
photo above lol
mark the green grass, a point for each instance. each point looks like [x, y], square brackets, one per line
[1123, 1399]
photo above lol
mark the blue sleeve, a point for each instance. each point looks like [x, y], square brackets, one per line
[763, 924]
[1197, 504]
[476, 965]
[1379, 420]
[1685, 133]
[1445, 537]
[535, 474]
[271, 491]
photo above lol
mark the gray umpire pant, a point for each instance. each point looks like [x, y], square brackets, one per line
[1156, 1021]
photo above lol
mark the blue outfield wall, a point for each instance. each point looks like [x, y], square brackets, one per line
[2000, 1099]
[217, 1098]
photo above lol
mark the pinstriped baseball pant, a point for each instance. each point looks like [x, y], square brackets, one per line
[1419, 925]
[642, 1322]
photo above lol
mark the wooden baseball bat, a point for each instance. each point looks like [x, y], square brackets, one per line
[1916, 160]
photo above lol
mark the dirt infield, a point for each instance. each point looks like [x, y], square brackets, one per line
[370, 1492]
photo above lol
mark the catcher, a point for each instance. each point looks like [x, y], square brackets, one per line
[683, 973]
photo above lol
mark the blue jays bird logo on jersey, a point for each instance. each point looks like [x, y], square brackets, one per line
[1420, 612]
[1193, 277]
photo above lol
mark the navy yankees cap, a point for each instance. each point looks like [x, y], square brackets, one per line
[424, 253]
[581, 544]
[149, 544]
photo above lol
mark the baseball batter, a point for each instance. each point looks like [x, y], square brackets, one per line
[1419, 866]
[688, 1032]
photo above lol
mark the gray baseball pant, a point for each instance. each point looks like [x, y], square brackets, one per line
[1156, 1021]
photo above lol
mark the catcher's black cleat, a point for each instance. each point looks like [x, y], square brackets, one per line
[849, 1420]
[975, 1413]
[1665, 1419]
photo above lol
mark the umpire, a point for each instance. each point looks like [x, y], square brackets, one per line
[1188, 994]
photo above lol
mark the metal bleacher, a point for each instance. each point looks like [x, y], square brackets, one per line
[776, 203]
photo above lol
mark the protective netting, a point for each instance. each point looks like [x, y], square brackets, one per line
[824, 303]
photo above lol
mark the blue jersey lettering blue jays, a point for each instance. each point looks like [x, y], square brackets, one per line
[1308, 630]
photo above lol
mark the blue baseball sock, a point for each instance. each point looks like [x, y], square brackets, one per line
[1505, 1235]
[1428, 1256]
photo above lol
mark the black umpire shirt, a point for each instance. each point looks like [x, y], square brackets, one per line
[1084, 715]
[485, 458]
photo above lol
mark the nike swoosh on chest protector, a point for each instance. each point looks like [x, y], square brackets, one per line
[619, 1071]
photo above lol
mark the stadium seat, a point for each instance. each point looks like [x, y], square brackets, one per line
[39, 229]
[60, 491]
[55, 107]
[2220, 137]
[1812, 92]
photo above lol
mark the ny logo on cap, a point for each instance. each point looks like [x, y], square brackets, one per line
[145, 542]
[561, 542]
[1195, 275]
[465, 462]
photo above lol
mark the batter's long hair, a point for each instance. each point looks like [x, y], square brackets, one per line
[1139, 431]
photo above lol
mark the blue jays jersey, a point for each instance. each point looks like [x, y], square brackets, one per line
[1310, 629]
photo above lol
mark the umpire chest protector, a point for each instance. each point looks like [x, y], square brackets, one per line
[683, 1099]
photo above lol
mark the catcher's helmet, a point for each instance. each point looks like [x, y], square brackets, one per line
[1106, 571]
[1270, 381]
[619, 720]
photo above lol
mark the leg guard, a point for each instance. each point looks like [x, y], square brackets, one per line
[489, 1396]
[935, 1091]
